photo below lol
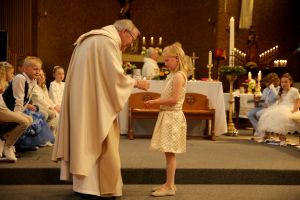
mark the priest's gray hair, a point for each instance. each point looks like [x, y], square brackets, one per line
[125, 24]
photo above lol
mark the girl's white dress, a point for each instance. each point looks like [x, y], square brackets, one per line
[56, 91]
[170, 129]
[278, 118]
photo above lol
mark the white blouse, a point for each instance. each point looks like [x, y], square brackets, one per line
[40, 97]
[19, 92]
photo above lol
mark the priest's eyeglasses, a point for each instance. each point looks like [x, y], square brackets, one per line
[133, 39]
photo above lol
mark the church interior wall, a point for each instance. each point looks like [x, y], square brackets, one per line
[199, 25]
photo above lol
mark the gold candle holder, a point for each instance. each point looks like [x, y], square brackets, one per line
[232, 131]
[209, 66]
[193, 62]
[257, 89]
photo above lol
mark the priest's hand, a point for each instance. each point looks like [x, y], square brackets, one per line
[142, 84]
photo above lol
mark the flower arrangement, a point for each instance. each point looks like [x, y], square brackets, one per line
[251, 84]
[232, 70]
[163, 74]
[144, 49]
[128, 67]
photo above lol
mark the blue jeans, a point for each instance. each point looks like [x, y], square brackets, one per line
[254, 115]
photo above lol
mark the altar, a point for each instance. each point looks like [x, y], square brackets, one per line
[213, 91]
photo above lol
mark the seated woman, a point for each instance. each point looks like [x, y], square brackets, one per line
[150, 68]
[278, 117]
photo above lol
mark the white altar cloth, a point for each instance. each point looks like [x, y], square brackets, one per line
[213, 91]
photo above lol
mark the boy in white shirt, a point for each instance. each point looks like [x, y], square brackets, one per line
[16, 98]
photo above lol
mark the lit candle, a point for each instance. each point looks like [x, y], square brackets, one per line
[159, 40]
[259, 76]
[231, 42]
[249, 76]
[209, 57]
[144, 40]
[151, 40]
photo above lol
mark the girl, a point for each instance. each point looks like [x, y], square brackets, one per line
[278, 117]
[268, 98]
[57, 86]
[9, 138]
[41, 98]
[170, 130]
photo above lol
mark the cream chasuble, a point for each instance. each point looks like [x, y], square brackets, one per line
[96, 90]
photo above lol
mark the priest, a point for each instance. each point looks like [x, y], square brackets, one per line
[96, 90]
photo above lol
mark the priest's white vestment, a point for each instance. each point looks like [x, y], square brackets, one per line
[96, 90]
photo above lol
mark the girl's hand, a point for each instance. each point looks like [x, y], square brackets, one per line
[148, 103]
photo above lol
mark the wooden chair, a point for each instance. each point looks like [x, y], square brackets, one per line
[196, 106]
[137, 109]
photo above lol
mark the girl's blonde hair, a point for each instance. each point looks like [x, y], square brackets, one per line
[43, 84]
[177, 51]
[4, 67]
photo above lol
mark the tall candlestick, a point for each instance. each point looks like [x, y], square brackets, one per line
[151, 40]
[144, 40]
[249, 76]
[231, 42]
[159, 40]
[209, 57]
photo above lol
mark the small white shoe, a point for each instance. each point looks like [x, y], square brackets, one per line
[261, 140]
[1, 147]
[49, 144]
[283, 143]
[9, 153]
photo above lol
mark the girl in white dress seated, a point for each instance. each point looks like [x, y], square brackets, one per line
[40, 97]
[57, 86]
[279, 118]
